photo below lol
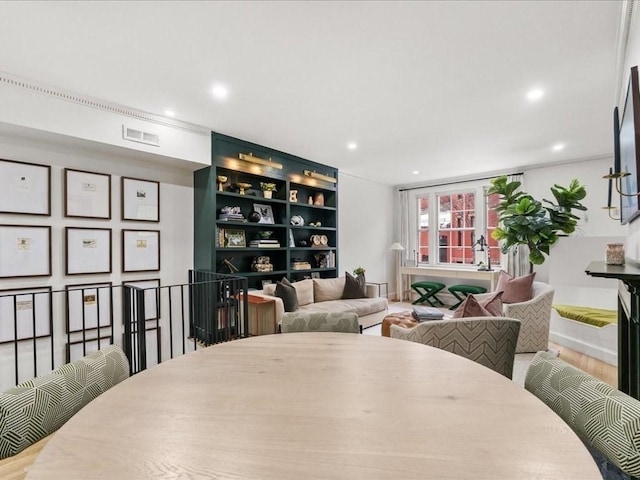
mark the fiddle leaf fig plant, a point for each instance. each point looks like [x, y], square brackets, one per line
[524, 220]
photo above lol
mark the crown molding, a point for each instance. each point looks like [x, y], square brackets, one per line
[11, 80]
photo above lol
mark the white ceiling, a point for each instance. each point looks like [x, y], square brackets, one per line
[437, 87]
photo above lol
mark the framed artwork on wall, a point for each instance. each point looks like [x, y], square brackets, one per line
[88, 250]
[88, 305]
[140, 200]
[87, 194]
[25, 251]
[25, 188]
[151, 297]
[140, 250]
[29, 310]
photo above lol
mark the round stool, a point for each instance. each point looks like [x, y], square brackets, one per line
[427, 292]
[462, 291]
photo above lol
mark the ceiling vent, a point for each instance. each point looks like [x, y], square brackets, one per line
[139, 136]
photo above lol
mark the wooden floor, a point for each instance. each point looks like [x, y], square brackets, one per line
[592, 366]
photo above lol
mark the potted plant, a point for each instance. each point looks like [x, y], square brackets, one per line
[524, 220]
[267, 189]
[358, 271]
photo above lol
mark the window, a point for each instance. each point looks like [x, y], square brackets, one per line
[449, 223]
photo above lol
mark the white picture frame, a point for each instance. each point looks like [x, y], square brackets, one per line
[25, 251]
[140, 200]
[29, 304]
[93, 302]
[265, 211]
[88, 250]
[87, 194]
[25, 188]
[140, 250]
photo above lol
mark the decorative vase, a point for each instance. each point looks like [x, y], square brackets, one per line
[267, 193]
[615, 254]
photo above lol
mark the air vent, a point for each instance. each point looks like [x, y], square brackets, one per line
[139, 136]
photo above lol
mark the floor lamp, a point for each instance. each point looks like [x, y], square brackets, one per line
[398, 248]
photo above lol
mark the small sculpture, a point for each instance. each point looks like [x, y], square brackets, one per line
[293, 196]
[221, 180]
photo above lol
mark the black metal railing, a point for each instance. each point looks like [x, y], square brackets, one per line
[41, 329]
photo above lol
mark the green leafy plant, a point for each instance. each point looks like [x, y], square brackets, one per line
[267, 187]
[527, 221]
[358, 271]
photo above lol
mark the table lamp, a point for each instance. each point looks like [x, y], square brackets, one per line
[398, 248]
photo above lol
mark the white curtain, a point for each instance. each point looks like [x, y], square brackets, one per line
[517, 259]
[403, 200]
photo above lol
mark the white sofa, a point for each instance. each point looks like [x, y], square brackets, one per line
[325, 295]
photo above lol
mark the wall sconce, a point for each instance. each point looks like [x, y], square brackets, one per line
[608, 209]
[248, 157]
[320, 176]
[617, 177]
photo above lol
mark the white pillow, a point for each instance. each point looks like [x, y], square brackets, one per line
[326, 289]
[304, 291]
[269, 289]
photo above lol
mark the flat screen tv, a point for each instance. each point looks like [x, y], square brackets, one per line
[627, 152]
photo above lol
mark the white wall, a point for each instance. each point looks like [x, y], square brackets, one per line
[176, 224]
[365, 222]
[595, 222]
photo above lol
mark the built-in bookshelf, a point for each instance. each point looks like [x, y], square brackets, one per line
[292, 232]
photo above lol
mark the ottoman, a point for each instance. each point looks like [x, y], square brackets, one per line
[404, 319]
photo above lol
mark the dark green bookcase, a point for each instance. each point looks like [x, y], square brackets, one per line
[210, 252]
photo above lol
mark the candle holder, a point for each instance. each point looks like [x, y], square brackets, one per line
[608, 209]
[618, 176]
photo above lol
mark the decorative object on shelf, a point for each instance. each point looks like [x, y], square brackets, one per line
[292, 242]
[316, 224]
[25, 188]
[248, 157]
[140, 199]
[244, 187]
[265, 234]
[303, 243]
[254, 217]
[228, 264]
[87, 194]
[234, 239]
[221, 181]
[319, 199]
[262, 264]
[293, 196]
[267, 189]
[231, 213]
[310, 200]
[615, 254]
[358, 271]
[524, 221]
[315, 241]
[320, 176]
[297, 221]
[265, 211]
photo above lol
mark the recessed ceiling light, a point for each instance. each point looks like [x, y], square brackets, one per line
[220, 92]
[535, 94]
[416, 172]
[170, 113]
[352, 145]
[557, 147]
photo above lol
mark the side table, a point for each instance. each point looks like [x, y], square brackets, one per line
[379, 285]
[262, 315]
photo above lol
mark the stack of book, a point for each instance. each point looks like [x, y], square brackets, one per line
[236, 217]
[426, 313]
[300, 266]
[264, 243]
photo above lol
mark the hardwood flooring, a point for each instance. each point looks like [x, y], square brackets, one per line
[597, 368]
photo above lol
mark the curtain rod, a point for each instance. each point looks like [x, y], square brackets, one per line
[454, 182]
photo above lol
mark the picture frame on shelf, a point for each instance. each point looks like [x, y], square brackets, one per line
[151, 297]
[87, 194]
[25, 251]
[140, 250]
[234, 238]
[140, 199]
[25, 188]
[88, 250]
[265, 211]
[292, 241]
[31, 305]
[89, 306]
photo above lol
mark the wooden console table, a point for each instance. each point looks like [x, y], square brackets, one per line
[490, 276]
[628, 323]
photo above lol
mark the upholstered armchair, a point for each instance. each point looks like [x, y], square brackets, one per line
[344, 322]
[535, 318]
[489, 341]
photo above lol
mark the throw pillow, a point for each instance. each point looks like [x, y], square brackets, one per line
[492, 303]
[326, 289]
[354, 287]
[269, 289]
[470, 307]
[515, 290]
[287, 292]
[304, 289]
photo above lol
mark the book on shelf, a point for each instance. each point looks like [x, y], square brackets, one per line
[300, 266]
[260, 244]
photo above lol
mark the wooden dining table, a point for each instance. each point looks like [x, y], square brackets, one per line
[316, 406]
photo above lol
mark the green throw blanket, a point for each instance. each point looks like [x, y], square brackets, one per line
[598, 317]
